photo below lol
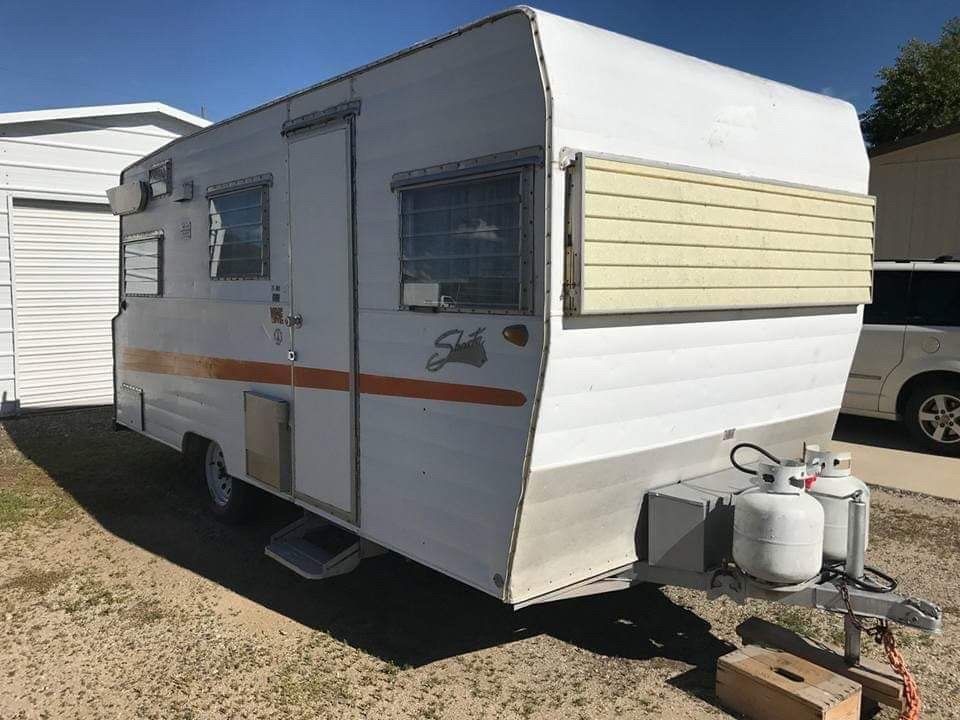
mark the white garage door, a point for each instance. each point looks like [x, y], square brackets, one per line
[65, 263]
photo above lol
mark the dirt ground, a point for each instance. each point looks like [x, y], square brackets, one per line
[120, 597]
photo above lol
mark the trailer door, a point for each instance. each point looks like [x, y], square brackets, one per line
[321, 320]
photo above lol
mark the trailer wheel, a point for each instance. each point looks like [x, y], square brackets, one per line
[230, 497]
[932, 415]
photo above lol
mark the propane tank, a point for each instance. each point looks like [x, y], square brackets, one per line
[778, 527]
[835, 486]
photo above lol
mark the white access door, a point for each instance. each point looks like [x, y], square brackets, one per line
[65, 290]
[323, 306]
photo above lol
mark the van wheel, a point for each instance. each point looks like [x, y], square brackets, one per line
[230, 498]
[932, 415]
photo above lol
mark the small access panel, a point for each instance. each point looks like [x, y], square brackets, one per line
[266, 425]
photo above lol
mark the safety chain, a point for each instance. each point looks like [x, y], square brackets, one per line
[883, 635]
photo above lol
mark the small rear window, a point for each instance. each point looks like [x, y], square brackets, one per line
[160, 178]
[889, 306]
[142, 264]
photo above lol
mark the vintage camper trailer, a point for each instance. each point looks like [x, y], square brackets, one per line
[471, 302]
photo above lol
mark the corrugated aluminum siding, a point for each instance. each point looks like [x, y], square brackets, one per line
[65, 260]
[663, 239]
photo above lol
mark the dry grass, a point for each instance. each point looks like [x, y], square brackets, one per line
[36, 582]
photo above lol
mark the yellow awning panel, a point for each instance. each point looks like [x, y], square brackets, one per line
[648, 238]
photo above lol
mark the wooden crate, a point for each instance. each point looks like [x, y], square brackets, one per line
[880, 683]
[762, 684]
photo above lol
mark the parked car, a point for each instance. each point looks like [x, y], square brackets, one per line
[907, 363]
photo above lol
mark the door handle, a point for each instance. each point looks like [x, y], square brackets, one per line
[294, 321]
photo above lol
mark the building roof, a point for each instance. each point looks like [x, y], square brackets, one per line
[919, 139]
[103, 111]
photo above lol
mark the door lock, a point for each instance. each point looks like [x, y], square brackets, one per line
[294, 321]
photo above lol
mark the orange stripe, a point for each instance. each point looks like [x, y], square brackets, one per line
[320, 379]
[435, 390]
[202, 366]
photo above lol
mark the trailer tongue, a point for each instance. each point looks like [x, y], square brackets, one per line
[690, 543]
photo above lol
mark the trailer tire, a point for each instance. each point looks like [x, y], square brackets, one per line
[231, 500]
[932, 415]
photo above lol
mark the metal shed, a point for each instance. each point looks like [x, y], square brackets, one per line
[58, 245]
[917, 185]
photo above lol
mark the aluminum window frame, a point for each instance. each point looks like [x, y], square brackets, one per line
[262, 183]
[520, 163]
[133, 239]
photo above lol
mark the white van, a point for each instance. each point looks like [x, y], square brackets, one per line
[907, 364]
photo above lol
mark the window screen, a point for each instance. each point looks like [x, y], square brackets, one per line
[239, 246]
[935, 298]
[143, 265]
[463, 244]
[889, 306]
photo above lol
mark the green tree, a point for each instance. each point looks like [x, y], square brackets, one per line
[920, 92]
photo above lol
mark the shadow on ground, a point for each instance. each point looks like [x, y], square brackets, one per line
[394, 609]
[875, 433]
[879, 433]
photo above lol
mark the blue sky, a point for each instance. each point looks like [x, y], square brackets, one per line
[230, 56]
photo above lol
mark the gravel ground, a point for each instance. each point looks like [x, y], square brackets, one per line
[121, 598]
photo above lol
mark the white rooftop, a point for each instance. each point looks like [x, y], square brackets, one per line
[102, 111]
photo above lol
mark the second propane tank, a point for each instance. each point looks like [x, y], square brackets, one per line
[834, 487]
[778, 527]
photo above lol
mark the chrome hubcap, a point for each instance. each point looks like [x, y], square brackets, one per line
[939, 418]
[219, 483]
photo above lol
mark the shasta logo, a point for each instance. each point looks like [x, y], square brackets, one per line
[454, 349]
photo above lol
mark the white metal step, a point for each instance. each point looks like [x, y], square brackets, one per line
[316, 549]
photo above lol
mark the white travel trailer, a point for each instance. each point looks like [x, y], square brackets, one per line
[471, 302]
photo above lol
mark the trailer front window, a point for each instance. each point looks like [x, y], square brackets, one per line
[238, 234]
[462, 244]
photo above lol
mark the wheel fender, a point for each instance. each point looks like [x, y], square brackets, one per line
[904, 376]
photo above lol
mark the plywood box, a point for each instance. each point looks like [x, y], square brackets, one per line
[762, 683]
[878, 681]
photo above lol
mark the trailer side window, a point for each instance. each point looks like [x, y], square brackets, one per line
[239, 238]
[464, 243]
[142, 264]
